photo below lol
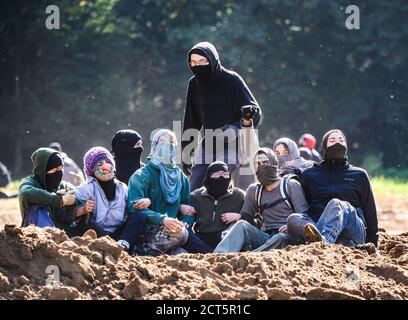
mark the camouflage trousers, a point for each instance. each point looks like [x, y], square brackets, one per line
[158, 241]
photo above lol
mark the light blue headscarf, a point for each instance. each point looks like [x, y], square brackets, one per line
[162, 157]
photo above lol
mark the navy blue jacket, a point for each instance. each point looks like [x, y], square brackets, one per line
[328, 180]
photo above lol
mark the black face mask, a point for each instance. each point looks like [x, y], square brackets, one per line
[53, 180]
[202, 72]
[127, 164]
[267, 174]
[217, 187]
[336, 152]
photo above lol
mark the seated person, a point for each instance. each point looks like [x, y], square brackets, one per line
[307, 143]
[105, 210]
[127, 150]
[217, 204]
[45, 200]
[289, 159]
[342, 207]
[269, 202]
[72, 173]
[168, 189]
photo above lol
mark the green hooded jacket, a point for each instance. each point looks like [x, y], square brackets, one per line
[33, 189]
[145, 183]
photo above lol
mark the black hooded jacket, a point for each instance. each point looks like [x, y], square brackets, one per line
[217, 102]
[326, 181]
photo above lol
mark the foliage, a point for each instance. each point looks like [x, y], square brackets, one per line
[122, 64]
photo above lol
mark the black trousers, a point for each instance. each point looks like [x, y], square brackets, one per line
[211, 239]
[196, 245]
[130, 231]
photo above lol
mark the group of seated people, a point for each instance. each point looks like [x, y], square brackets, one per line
[149, 210]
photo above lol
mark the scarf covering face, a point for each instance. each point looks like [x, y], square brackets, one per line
[293, 150]
[336, 152]
[266, 174]
[162, 157]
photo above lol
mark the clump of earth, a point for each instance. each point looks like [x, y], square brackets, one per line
[45, 264]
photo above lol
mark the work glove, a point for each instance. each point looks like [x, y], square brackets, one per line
[248, 112]
[68, 199]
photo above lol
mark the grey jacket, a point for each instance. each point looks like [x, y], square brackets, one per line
[276, 216]
[110, 215]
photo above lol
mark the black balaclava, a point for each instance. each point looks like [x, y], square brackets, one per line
[126, 155]
[267, 174]
[336, 152]
[217, 187]
[210, 71]
[109, 188]
[53, 180]
[201, 72]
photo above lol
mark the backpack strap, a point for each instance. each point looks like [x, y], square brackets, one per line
[258, 195]
[283, 188]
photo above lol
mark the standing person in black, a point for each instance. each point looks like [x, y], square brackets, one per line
[217, 98]
[341, 202]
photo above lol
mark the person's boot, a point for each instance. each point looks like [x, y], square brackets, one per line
[124, 244]
[312, 234]
[90, 233]
[369, 247]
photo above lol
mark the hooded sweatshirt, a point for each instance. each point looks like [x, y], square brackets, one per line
[216, 102]
[293, 160]
[145, 183]
[328, 180]
[273, 217]
[33, 190]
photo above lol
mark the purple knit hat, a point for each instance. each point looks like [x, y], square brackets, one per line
[93, 156]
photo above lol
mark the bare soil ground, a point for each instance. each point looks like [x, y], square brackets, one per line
[98, 269]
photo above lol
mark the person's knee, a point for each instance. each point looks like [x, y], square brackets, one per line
[293, 220]
[240, 224]
[334, 203]
[138, 218]
[333, 207]
[183, 236]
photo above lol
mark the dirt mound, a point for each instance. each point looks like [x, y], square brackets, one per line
[98, 269]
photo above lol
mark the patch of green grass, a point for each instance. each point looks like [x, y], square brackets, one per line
[390, 187]
[381, 185]
[11, 187]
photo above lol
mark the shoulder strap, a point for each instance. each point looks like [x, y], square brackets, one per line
[283, 188]
[258, 195]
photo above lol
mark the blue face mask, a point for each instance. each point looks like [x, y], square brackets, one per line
[164, 153]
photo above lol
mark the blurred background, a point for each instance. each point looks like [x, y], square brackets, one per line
[123, 64]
